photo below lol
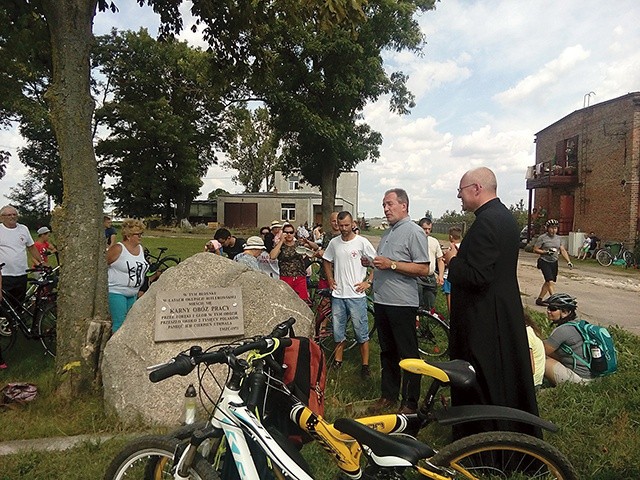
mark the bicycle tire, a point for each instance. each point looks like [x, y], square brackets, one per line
[168, 262]
[151, 458]
[603, 257]
[492, 455]
[433, 335]
[47, 319]
[628, 258]
[8, 334]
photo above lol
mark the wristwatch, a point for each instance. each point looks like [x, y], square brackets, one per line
[393, 265]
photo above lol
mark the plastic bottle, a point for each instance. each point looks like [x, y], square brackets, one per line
[190, 404]
[598, 362]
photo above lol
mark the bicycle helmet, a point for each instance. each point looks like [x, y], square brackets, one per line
[563, 301]
[552, 222]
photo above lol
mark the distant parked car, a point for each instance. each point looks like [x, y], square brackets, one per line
[524, 233]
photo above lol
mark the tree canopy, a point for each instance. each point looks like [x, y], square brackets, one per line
[163, 120]
[253, 148]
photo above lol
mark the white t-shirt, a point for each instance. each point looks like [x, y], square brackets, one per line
[435, 252]
[347, 267]
[13, 245]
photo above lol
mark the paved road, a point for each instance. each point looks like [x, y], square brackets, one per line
[606, 295]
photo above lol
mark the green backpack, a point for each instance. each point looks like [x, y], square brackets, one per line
[598, 349]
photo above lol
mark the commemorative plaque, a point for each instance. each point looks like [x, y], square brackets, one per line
[202, 313]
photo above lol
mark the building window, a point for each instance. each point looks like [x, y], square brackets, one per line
[288, 212]
[294, 183]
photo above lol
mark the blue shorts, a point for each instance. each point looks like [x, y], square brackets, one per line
[446, 287]
[354, 308]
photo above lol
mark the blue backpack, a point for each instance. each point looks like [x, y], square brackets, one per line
[595, 336]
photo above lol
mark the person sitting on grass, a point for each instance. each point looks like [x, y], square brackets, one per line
[536, 349]
[561, 366]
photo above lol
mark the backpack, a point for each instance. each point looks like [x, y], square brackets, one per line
[305, 374]
[595, 335]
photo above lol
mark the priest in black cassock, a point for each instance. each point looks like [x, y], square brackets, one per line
[487, 323]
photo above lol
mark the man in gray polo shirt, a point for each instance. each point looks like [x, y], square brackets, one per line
[402, 257]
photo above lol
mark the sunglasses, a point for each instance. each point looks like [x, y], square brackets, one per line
[288, 232]
[552, 309]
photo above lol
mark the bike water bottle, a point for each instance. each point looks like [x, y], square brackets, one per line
[190, 404]
[598, 362]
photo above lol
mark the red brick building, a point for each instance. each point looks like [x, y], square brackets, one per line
[587, 171]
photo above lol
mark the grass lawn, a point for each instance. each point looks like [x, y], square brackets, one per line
[598, 422]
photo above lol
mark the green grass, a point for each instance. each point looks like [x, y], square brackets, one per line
[598, 422]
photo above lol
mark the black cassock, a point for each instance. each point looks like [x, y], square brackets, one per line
[487, 323]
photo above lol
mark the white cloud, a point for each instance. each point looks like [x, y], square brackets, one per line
[547, 75]
[493, 72]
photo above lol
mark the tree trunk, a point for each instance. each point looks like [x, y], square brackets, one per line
[328, 187]
[83, 320]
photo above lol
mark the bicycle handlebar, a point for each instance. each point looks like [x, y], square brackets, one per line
[184, 363]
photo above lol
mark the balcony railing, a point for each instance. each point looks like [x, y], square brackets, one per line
[546, 174]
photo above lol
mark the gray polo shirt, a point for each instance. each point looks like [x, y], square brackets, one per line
[404, 242]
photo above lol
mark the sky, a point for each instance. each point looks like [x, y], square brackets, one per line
[491, 74]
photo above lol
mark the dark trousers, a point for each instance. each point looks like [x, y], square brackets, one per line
[397, 337]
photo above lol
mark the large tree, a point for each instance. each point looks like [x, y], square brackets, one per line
[317, 82]
[252, 149]
[82, 304]
[164, 122]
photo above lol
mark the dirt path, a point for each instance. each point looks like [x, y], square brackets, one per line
[606, 295]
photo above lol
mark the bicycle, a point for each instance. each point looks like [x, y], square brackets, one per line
[389, 451]
[36, 317]
[614, 252]
[432, 330]
[159, 263]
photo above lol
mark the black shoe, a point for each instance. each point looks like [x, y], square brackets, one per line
[541, 303]
[336, 365]
[365, 371]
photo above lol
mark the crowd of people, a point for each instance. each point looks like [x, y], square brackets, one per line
[489, 326]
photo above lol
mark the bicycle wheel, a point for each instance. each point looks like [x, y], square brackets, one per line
[151, 458]
[433, 335]
[167, 262]
[603, 257]
[46, 320]
[8, 334]
[503, 455]
[628, 258]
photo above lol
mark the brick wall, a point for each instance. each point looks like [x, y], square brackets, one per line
[606, 198]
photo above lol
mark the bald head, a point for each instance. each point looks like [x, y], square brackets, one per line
[484, 177]
[477, 187]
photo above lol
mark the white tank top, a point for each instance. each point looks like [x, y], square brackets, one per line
[127, 273]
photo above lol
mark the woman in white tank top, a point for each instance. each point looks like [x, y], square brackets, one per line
[127, 271]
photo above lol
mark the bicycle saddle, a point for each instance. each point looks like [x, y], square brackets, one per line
[382, 445]
[324, 292]
[456, 372]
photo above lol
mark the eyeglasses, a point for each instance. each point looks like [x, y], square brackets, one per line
[9, 215]
[288, 232]
[466, 186]
[552, 309]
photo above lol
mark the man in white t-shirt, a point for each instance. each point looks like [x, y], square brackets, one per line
[15, 239]
[428, 285]
[349, 281]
